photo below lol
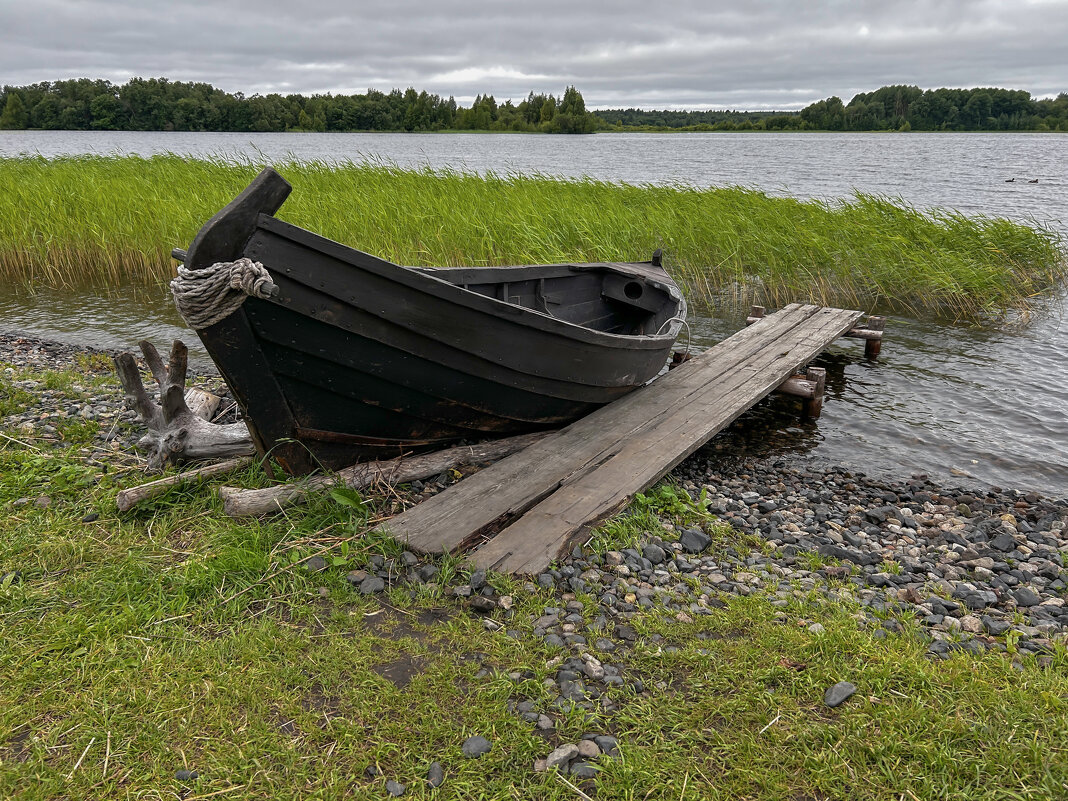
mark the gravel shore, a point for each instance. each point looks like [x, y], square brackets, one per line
[965, 569]
[972, 566]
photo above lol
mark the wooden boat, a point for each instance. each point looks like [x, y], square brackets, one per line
[350, 357]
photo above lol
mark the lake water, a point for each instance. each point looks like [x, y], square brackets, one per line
[972, 405]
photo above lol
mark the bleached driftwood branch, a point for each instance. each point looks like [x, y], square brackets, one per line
[244, 502]
[177, 428]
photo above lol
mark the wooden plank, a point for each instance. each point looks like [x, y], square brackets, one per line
[495, 496]
[540, 535]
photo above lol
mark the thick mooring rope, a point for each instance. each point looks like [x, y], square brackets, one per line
[206, 296]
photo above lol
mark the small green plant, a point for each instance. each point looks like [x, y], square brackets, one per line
[352, 500]
[94, 362]
[673, 502]
[812, 561]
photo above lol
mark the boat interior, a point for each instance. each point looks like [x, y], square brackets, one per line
[615, 299]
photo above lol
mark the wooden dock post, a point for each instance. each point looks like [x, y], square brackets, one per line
[874, 344]
[814, 406]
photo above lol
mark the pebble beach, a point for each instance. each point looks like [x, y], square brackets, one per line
[972, 565]
[960, 569]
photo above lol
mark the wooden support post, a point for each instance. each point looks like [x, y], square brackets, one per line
[874, 345]
[814, 406]
[797, 385]
[809, 387]
[678, 357]
[755, 313]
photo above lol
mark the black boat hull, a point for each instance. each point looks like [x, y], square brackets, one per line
[356, 358]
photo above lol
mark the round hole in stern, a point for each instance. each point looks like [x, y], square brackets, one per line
[633, 290]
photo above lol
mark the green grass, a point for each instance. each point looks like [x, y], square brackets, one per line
[136, 645]
[101, 221]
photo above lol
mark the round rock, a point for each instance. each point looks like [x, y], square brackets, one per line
[435, 775]
[476, 746]
[839, 693]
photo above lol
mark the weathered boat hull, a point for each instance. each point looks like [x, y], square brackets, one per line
[357, 358]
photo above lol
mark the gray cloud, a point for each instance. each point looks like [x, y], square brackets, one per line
[768, 54]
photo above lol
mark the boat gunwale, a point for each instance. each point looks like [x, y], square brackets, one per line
[422, 280]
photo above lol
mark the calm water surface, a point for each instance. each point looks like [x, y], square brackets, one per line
[972, 405]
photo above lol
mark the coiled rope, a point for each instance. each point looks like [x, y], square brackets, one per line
[206, 296]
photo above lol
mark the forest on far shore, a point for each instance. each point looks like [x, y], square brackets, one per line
[159, 104]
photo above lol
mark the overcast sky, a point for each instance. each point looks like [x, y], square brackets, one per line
[745, 54]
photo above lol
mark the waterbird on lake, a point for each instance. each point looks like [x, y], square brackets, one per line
[1033, 181]
[1010, 180]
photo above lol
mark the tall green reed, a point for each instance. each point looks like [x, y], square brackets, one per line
[92, 221]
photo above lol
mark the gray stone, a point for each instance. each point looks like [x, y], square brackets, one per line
[372, 584]
[1003, 542]
[435, 775]
[481, 604]
[654, 553]
[694, 540]
[356, 577]
[315, 565]
[395, 788]
[185, 775]
[1025, 596]
[588, 749]
[995, 627]
[839, 693]
[583, 770]
[608, 744]
[560, 757]
[476, 746]
[426, 572]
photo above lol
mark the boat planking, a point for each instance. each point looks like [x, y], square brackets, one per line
[356, 358]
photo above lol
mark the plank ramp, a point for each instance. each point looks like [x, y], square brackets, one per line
[524, 511]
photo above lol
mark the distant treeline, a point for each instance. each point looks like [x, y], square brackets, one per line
[891, 108]
[636, 119]
[158, 104]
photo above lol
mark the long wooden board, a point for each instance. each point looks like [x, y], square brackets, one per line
[575, 477]
[540, 535]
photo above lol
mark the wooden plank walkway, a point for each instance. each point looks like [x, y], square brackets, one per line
[537, 501]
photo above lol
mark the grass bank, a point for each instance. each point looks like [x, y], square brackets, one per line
[174, 639]
[98, 221]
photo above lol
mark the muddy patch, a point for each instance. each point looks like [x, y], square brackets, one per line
[401, 670]
[18, 746]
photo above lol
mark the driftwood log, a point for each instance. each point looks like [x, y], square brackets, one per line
[127, 499]
[177, 428]
[246, 502]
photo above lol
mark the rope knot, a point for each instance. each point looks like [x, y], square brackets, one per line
[251, 277]
[206, 296]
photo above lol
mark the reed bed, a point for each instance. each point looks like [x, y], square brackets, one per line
[98, 221]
